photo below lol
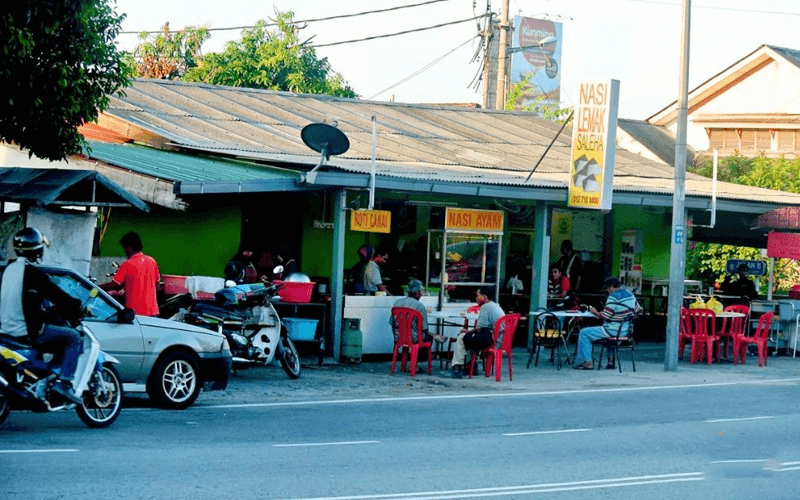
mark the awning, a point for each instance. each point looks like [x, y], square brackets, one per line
[786, 219]
[48, 187]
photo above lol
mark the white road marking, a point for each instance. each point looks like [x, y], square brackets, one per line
[336, 443]
[39, 451]
[529, 488]
[741, 419]
[533, 433]
[748, 461]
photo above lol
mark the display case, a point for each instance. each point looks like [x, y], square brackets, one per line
[460, 262]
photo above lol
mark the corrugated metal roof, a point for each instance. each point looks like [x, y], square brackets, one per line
[184, 167]
[414, 141]
[63, 187]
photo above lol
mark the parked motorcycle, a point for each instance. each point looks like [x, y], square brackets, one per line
[246, 316]
[27, 382]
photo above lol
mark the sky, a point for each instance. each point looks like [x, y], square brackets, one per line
[634, 41]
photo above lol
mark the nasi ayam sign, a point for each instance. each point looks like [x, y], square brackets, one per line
[593, 145]
[479, 221]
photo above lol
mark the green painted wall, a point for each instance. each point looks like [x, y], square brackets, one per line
[198, 242]
[655, 227]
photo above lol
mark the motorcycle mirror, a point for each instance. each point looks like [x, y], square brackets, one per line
[277, 270]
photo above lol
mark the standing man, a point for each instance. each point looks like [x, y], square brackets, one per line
[571, 265]
[138, 275]
[621, 306]
[482, 335]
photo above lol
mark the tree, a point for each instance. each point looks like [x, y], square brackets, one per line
[729, 169]
[59, 64]
[170, 55]
[522, 96]
[273, 60]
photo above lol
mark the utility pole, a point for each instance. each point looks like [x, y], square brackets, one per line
[677, 260]
[500, 99]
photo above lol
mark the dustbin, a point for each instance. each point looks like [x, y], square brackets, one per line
[351, 341]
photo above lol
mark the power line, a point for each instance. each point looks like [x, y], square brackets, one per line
[709, 7]
[399, 32]
[340, 16]
[421, 70]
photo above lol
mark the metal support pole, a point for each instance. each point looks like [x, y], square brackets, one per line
[337, 273]
[677, 261]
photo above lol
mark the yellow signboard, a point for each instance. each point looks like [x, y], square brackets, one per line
[371, 221]
[480, 221]
[594, 129]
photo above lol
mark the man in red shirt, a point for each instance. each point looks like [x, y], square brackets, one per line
[138, 275]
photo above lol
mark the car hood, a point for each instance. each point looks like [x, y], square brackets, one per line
[175, 325]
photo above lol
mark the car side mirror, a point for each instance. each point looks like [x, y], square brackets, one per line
[126, 315]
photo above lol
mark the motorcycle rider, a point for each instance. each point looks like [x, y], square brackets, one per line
[23, 290]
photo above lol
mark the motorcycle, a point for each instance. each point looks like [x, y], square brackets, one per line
[247, 318]
[28, 383]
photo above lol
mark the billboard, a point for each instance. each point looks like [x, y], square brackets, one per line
[538, 65]
[594, 131]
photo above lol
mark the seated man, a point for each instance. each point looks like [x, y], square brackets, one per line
[412, 301]
[621, 306]
[481, 336]
[558, 285]
[742, 287]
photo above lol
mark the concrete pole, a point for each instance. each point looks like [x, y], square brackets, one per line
[500, 99]
[677, 261]
[337, 274]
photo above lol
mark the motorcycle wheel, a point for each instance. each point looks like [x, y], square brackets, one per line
[5, 408]
[290, 360]
[101, 408]
[175, 381]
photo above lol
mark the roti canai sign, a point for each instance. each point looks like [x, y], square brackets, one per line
[594, 131]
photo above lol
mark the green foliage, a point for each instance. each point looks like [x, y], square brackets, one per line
[706, 261]
[170, 55]
[522, 96]
[59, 64]
[729, 168]
[273, 60]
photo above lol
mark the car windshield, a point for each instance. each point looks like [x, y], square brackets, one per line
[100, 308]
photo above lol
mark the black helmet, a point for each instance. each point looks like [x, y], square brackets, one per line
[30, 243]
[234, 270]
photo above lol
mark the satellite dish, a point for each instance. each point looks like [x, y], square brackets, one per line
[325, 139]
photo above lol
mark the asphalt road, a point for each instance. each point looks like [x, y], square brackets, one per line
[697, 442]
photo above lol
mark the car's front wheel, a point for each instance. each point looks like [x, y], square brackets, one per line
[175, 381]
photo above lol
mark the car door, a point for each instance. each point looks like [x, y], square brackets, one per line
[120, 339]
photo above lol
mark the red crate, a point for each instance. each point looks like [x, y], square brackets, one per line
[174, 285]
[293, 291]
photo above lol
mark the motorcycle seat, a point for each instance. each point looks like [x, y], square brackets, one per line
[14, 342]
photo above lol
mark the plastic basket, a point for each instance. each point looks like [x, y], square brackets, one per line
[293, 291]
[174, 285]
[301, 329]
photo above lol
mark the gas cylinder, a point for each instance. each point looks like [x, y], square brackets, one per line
[351, 341]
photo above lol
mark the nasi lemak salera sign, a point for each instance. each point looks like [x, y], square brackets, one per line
[594, 130]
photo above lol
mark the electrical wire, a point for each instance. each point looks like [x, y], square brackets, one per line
[341, 16]
[416, 30]
[421, 70]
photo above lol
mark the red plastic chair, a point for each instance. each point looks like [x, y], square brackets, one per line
[493, 356]
[404, 319]
[759, 338]
[683, 332]
[702, 326]
[733, 326]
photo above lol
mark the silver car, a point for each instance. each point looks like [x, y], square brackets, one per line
[171, 361]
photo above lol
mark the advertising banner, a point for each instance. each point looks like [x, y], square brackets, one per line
[783, 245]
[371, 221]
[594, 130]
[473, 220]
[539, 65]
